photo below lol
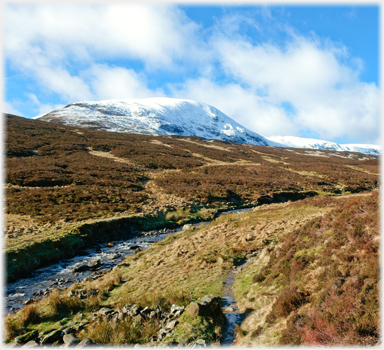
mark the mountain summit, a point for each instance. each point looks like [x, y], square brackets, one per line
[160, 115]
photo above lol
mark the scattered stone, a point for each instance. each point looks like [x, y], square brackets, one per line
[25, 338]
[85, 342]
[105, 311]
[70, 340]
[172, 324]
[28, 301]
[135, 310]
[31, 344]
[94, 264]
[229, 309]
[187, 226]
[52, 337]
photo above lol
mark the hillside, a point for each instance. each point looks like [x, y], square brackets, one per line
[60, 177]
[306, 253]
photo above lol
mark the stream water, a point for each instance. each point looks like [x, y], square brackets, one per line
[231, 312]
[61, 275]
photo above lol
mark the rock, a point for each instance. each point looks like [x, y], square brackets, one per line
[208, 306]
[200, 342]
[161, 333]
[171, 325]
[229, 309]
[94, 264]
[80, 268]
[146, 311]
[155, 313]
[105, 311]
[68, 330]
[193, 309]
[126, 308]
[113, 256]
[135, 310]
[110, 244]
[133, 247]
[186, 227]
[52, 337]
[178, 313]
[31, 344]
[28, 301]
[70, 293]
[70, 340]
[25, 338]
[85, 342]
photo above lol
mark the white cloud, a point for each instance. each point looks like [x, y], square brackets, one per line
[8, 108]
[241, 104]
[117, 83]
[156, 34]
[310, 75]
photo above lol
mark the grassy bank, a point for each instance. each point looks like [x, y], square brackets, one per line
[181, 268]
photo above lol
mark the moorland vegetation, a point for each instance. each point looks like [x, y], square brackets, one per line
[313, 275]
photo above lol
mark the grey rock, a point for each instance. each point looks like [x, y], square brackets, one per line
[52, 337]
[25, 338]
[94, 264]
[80, 268]
[70, 340]
[68, 330]
[85, 342]
[171, 324]
[31, 344]
[135, 310]
[105, 311]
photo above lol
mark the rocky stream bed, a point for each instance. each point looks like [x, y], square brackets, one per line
[94, 263]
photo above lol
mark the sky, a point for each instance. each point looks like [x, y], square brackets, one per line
[307, 71]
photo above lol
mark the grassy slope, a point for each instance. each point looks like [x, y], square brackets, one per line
[319, 285]
[62, 181]
[183, 267]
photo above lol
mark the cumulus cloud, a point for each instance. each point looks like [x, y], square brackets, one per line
[241, 104]
[117, 83]
[156, 34]
[84, 52]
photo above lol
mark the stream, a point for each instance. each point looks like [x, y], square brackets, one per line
[231, 312]
[61, 275]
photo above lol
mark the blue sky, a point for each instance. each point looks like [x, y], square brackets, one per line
[309, 71]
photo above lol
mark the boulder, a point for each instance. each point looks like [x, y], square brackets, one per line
[70, 340]
[134, 310]
[171, 325]
[85, 342]
[94, 264]
[31, 344]
[80, 268]
[53, 337]
[207, 306]
[104, 311]
[25, 338]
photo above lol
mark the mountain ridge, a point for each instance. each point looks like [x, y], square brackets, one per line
[183, 117]
[159, 115]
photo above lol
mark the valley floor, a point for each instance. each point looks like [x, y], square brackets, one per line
[310, 266]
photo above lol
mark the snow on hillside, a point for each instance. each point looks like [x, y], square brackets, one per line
[158, 115]
[300, 142]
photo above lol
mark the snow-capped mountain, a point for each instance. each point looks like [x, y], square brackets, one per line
[300, 142]
[158, 115]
